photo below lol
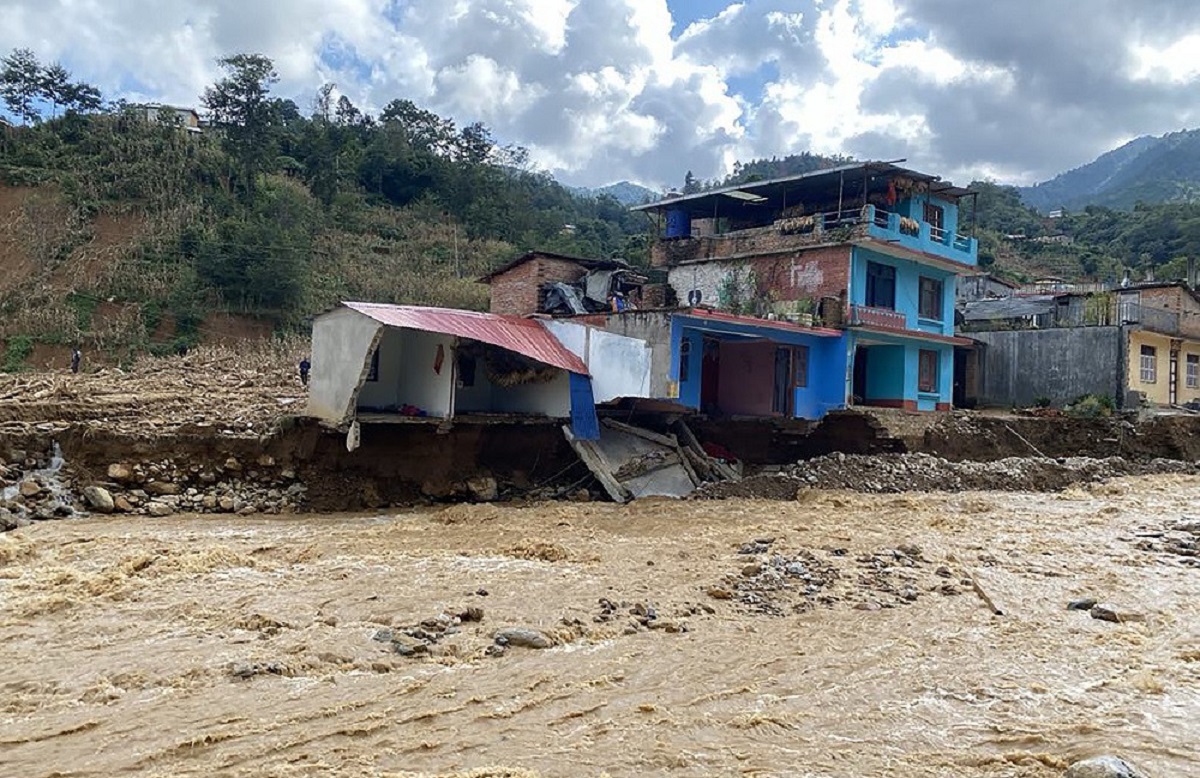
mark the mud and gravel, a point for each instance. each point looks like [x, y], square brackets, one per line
[839, 634]
[894, 473]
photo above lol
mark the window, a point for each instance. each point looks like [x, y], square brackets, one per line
[373, 372]
[931, 299]
[927, 375]
[800, 364]
[881, 286]
[1149, 365]
[1193, 371]
[935, 216]
[685, 357]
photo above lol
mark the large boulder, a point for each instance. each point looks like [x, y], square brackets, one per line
[119, 471]
[99, 499]
[1103, 767]
[162, 488]
[522, 636]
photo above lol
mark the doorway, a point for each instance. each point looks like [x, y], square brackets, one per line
[859, 385]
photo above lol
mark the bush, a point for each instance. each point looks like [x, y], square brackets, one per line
[20, 348]
[1042, 402]
[1091, 406]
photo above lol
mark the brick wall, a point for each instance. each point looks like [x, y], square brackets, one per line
[1176, 300]
[784, 278]
[515, 291]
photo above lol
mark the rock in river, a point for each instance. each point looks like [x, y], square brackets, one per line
[520, 636]
[1103, 767]
[99, 499]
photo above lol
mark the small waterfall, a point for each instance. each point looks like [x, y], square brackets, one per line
[60, 495]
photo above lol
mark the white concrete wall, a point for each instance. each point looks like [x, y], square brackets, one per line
[476, 398]
[384, 392]
[548, 398]
[341, 345]
[420, 384]
[620, 366]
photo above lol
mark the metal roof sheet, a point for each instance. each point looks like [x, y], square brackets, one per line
[524, 336]
[1008, 307]
[851, 176]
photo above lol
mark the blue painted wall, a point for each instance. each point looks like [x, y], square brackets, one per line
[827, 362]
[893, 371]
[908, 295]
[887, 373]
[951, 247]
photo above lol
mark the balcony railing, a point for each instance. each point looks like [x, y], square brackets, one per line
[921, 235]
[869, 316]
[826, 227]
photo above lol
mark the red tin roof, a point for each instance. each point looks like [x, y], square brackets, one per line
[524, 336]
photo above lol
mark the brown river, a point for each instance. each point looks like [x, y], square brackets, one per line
[836, 635]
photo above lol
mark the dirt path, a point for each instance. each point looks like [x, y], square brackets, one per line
[845, 641]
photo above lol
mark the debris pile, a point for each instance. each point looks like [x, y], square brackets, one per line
[775, 583]
[214, 387]
[424, 638]
[891, 473]
[1178, 538]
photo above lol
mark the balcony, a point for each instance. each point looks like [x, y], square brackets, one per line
[815, 229]
[884, 318]
[920, 236]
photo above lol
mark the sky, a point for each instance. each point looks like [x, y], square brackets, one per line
[645, 90]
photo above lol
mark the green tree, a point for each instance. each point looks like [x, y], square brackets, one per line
[21, 83]
[241, 108]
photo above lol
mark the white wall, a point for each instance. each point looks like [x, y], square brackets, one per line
[384, 393]
[620, 366]
[341, 344]
[420, 384]
[548, 398]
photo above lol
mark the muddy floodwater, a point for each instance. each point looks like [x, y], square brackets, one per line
[835, 635]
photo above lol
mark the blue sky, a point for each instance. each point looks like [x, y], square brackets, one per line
[644, 90]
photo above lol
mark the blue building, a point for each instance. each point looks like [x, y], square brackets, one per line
[813, 293]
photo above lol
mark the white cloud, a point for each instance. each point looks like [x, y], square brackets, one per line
[601, 90]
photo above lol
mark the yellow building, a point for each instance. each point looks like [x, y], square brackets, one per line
[1165, 369]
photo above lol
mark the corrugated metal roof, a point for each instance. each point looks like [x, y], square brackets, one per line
[524, 336]
[1008, 307]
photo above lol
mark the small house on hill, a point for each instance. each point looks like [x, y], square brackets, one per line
[396, 363]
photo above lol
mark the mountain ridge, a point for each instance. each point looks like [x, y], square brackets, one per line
[1150, 169]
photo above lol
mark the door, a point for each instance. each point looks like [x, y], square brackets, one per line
[783, 400]
[710, 377]
[860, 376]
[1173, 375]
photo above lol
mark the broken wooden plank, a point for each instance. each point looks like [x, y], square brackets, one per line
[663, 440]
[646, 464]
[681, 452]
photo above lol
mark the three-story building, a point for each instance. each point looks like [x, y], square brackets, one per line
[815, 292]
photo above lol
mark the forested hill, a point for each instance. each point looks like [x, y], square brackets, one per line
[1165, 169]
[1095, 243]
[120, 232]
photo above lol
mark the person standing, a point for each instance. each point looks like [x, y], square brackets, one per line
[76, 358]
[305, 366]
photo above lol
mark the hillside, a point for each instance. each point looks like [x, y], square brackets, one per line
[122, 234]
[1162, 169]
[624, 192]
